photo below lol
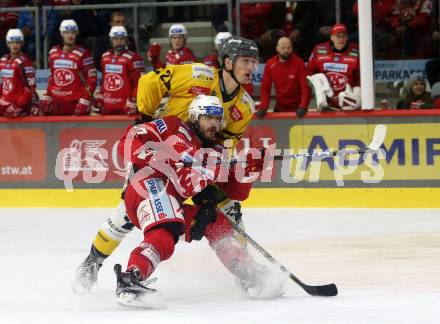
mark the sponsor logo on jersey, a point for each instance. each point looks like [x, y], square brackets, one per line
[29, 69]
[202, 72]
[113, 82]
[235, 114]
[161, 126]
[113, 68]
[335, 67]
[64, 64]
[322, 51]
[7, 86]
[248, 101]
[63, 77]
[7, 73]
[195, 91]
[158, 198]
[355, 54]
[138, 64]
[88, 61]
[337, 80]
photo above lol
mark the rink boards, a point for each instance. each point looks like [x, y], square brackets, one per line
[41, 157]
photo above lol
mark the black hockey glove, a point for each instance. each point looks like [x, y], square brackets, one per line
[207, 214]
[300, 112]
[261, 113]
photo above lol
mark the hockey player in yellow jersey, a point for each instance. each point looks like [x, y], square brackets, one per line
[239, 58]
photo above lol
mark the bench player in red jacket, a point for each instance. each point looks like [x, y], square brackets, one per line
[17, 72]
[178, 52]
[121, 70]
[72, 78]
[334, 72]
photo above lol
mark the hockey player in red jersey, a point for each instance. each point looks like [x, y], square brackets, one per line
[17, 91]
[121, 70]
[72, 78]
[155, 194]
[178, 52]
[333, 71]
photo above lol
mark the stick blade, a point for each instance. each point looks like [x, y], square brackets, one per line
[324, 291]
[380, 131]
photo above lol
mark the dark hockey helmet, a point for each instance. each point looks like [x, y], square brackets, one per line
[236, 46]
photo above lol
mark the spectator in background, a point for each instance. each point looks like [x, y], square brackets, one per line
[416, 94]
[288, 74]
[384, 41]
[87, 22]
[256, 18]
[103, 43]
[121, 70]
[300, 26]
[8, 20]
[334, 72]
[18, 78]
[178, 52]
[72, 76]
[26, 22]
[411, 23]
[435, 95]
[304, 22]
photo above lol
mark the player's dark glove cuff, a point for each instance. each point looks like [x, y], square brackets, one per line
[300, 112]
[261, 113]
[206, 215]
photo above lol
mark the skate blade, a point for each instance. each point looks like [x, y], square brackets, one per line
[153, 300]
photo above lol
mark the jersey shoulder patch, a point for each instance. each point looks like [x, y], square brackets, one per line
[202, 72]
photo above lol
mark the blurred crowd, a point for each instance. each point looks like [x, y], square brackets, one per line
[307, 54]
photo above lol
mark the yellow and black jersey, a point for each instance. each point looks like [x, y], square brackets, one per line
[182, 83]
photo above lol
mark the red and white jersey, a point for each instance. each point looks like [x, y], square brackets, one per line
[157, 145]
[212, 60]
[414, 14]
[120, 75]
[16, 74]
[70, 72]
[183, 56]
[340, 68]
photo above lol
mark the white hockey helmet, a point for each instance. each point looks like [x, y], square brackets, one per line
[14, 35]
[68, 25]
[221, 37]
[118, 31]
[206, 105]
[178, 29]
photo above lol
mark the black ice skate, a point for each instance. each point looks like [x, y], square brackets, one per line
[132, 292]
[86, 276]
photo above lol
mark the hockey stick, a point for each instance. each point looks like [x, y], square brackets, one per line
[324, 290]
[379, 134]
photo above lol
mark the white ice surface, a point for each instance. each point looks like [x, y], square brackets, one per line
[386, 264]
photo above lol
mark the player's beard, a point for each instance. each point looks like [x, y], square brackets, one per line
[119, 48]
[205, 138]
[285, 57]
